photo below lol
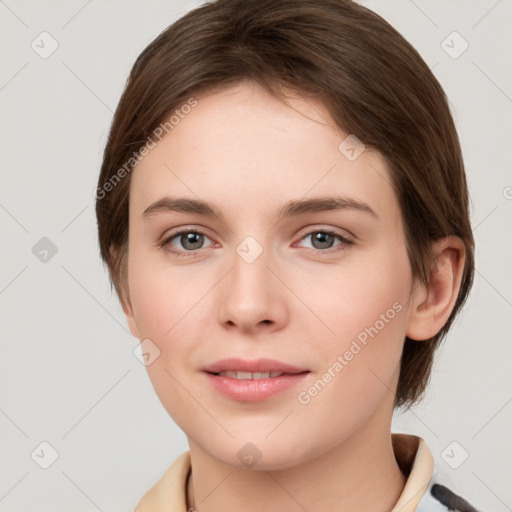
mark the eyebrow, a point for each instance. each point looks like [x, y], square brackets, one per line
[292, 208]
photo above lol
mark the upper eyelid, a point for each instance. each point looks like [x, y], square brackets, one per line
[337, 231]
[181, 230]
[305, 231]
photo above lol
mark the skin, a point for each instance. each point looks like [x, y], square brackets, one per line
[248, 153]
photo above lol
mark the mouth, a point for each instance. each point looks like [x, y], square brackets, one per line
[252, 381]
[263, 368]
[241, 375]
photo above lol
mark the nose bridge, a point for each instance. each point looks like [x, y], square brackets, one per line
[251, 294]
[250, 275]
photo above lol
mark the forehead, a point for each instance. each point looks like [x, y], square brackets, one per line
[242, 147]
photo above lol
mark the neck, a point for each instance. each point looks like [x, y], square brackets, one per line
[360, 473]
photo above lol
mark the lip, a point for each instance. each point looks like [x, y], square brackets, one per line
[257, 365]
[253, 390]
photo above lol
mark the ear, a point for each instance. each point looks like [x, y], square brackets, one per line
[432, 304]
[130, 319]
[123, 293]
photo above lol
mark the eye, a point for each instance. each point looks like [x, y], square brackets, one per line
[322, 239]
[188, 241]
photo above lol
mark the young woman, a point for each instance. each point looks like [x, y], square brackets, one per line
[283, 210]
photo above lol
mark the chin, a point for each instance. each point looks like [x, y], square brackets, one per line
[261, 455]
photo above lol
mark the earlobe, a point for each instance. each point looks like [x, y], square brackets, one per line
[432, 304]
[128, 312]
[133, 326]
[123, 294]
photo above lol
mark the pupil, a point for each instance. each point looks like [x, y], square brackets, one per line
[188, 240]
[324, 239]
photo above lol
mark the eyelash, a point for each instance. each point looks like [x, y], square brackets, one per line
[345, 241]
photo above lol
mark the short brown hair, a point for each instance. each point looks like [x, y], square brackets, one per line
[374, 84]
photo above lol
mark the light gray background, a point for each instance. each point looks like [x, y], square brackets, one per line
[68, 375]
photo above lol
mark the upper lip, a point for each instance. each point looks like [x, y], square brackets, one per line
[256, 365]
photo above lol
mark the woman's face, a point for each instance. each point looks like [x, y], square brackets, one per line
[325, 290]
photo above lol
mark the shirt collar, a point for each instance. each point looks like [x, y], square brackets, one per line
[416, 461]
[412, 454]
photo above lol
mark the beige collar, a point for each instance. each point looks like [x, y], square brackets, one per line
[415, 460]
[412, 453]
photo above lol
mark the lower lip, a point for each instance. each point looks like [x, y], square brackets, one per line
[254, 390]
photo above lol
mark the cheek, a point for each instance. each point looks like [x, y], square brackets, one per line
[168, 310]
[165, 298]
[363, 322]
[355, 300]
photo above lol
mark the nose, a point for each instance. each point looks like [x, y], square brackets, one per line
[252, 298]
